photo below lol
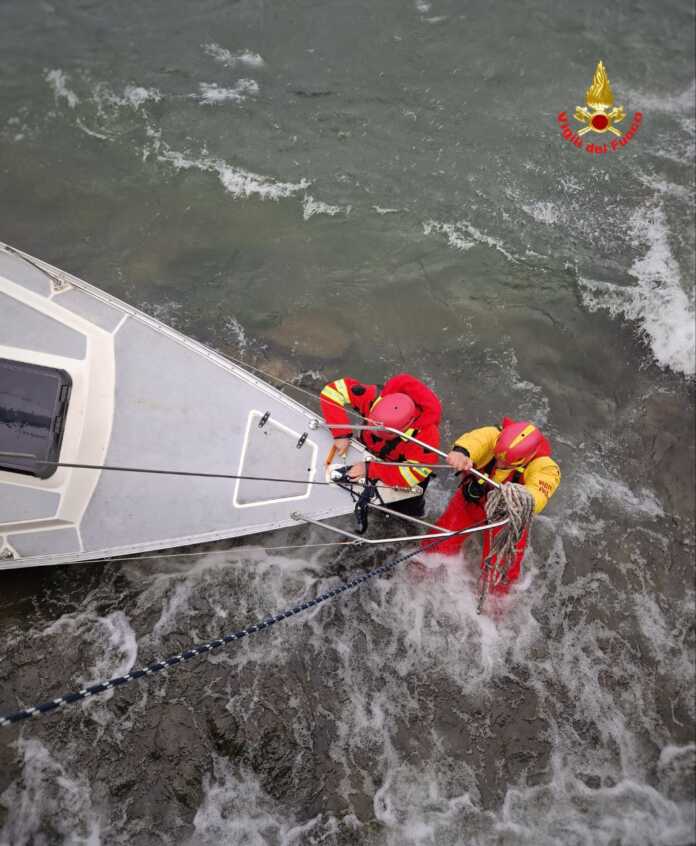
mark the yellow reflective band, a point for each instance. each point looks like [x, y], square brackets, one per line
[421, 471]
[378, 399]
[408, 432]
[332, 395]
[523, 434]
[411, 480]
[342, 389]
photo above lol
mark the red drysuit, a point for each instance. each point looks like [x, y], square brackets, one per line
[541, 477]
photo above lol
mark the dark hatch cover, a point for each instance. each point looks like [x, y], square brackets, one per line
[33, 407]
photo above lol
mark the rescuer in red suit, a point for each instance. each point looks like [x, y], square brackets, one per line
[404, 403]
[515, 451]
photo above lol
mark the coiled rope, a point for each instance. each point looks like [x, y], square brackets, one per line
[200, 649]
[514, 502]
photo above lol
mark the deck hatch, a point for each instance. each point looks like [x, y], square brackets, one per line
[33, 407]
[271, 452]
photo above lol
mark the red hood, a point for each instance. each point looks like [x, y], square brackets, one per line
[429, 407]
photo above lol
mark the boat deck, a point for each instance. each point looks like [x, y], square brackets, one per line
[143, 395]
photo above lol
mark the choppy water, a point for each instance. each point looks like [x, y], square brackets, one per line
[367, 187]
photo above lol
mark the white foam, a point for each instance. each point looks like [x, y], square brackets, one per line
[671, 754]
[132, 96]
[213, 94]
[589, 485]
[236, 181]
[166, 311]
[176, 603]
[663, 186]
[391, 732]
[415, 810]
[234, 327]
[115, 649]
[565, 810]
[92, 132]
[463, 235]
[658, 303]
[310, 207]
[681, 108]
[381, 210]
[570, 185]
[680, 151]
[668, 644]
[48, 798]
[236, 809]
[58, 81]
[136, 95]
[682, 103]
[314, 375]
[454, 237]
[543, 212]
[229, 59]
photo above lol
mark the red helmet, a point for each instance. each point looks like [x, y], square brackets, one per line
[518, 444]
[393, 410]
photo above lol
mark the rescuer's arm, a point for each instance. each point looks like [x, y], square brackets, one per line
[339, 395]
[478, 445]
[541, 478]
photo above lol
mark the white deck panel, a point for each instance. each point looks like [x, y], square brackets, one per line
[146, 396]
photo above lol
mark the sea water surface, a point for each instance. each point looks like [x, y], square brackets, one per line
[362, 188]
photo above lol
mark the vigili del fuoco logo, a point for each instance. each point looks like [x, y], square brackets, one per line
[599, 116]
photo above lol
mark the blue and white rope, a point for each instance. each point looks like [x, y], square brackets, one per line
[201, 649]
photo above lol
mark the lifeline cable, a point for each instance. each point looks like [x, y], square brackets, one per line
[201, 649]
[196, 473]
[156, 472]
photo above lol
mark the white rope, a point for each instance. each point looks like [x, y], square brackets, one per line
[515, 503]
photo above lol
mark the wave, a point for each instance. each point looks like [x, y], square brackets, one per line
[310, 207]
[58, 80]
[681, 109]
[133, 96]
[236, 809]
[658, 303]
[463, 235]
[47, 788]
[675, 104]
[382, 734]
[236, 181]
[543, 212]
[213, 94]
[228, 59]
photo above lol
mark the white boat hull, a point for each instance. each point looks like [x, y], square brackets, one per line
[143, 395]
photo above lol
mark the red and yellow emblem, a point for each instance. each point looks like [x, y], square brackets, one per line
[600, 99]
[599, 115]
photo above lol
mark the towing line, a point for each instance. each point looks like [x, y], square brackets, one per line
[201, 649]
